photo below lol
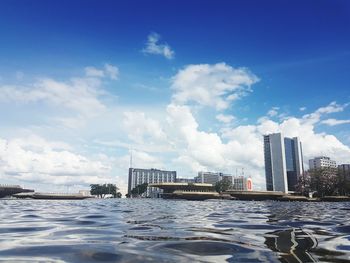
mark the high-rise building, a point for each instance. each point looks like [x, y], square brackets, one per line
[345, 168]
[150, 176]
[283, 162]
[322, 162]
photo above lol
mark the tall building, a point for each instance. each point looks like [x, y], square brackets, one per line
[345, 168]
[283, 162]
[150, 176]
[322, 162]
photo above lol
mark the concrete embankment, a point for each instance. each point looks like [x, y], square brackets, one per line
[8, 190]
[280, 196]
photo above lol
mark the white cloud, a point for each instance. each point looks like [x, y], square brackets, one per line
[211, 85]
[80, 95]
[108, 71]
[111, 71]
[334, 122]
[37, 160]
[302, 108]
[315, 117]
[273, 112]
[154, 47]
[242, 146]
[142, 129]
[225, 118]
[94, 72]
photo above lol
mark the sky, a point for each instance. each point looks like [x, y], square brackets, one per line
[184, 85]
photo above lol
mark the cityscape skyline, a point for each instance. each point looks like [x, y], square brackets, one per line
[78, 92]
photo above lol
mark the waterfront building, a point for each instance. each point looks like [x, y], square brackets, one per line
[283, 162]
[241, 183]
[139, 176]
[322, 162]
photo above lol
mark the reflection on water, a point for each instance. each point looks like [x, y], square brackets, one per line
[151, 230]
[294, 244]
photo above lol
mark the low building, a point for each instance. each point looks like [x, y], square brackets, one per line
[188, 191]
[138, 176]
[322, 162]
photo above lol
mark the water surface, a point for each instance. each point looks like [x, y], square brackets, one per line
[156, 230]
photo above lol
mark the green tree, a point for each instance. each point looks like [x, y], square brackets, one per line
[101, 190]
[139, 190]
[223, 185]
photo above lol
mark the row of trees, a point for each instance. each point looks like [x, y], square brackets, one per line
[101, 190]
[324, 182]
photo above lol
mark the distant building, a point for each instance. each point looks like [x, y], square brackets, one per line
[322, 162]
[84, 192]
[345, 168]
[185, 180]
[150, 176]
[211, 177]
[241, 183]
[283, 162]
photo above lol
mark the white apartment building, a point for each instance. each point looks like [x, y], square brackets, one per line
[150, 176]
[322, 162]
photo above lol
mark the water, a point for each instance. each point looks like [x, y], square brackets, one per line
[155, 230]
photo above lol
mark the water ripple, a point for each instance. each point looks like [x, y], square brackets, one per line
[148, 230]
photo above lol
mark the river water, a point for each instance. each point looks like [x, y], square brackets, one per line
[156, 230]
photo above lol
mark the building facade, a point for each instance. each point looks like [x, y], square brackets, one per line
[139, 176]
[241, 183]
[322, 162]
[283, 162]
[212, 177]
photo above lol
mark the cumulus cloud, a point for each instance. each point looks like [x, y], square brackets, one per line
[215, 85]
[334, 122]
[142, 129]
[78, 94]
[242, 146]
[37, 160]
[154, 47]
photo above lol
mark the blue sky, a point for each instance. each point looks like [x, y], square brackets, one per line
[294, 57]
